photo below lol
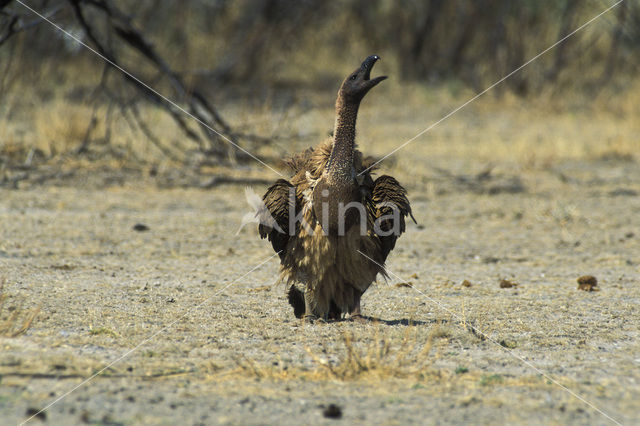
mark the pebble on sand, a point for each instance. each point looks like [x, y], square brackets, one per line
[332, 411]
[504, 283]
[588, 283]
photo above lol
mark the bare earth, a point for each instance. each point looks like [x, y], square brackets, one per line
[193, 330]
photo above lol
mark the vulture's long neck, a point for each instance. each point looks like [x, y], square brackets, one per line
[340, 164]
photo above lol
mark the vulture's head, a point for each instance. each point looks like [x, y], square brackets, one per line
[359, 82]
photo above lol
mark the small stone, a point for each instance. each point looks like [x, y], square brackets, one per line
[588, 283]
[507, 284]
[35, 412]
[332, 411]
[466, 283]
[140, 227]
[407, 284]
[510, 344]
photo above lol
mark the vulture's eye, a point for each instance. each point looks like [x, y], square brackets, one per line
[353, 77]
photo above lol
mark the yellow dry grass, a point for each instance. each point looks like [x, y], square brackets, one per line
[379, 358]
[16, 320]
[373, 356]
[527, 133]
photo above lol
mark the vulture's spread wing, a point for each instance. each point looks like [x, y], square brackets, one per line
[388, 195]
[279, 200]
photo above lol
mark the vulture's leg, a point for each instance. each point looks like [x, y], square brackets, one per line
[355, 314]
[309, 316]
[296, 299]
[335, 313]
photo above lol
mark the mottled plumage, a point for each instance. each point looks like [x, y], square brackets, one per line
[321, 251]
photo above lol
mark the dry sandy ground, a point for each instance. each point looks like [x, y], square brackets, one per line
[191, 329]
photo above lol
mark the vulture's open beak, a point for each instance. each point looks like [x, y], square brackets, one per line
[367, 66]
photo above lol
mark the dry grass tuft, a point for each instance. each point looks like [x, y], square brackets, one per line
[96, 331]
[380, 358]
[15, 321]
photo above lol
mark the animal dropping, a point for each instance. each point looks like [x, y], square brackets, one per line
[331, 223]
[333, 411]
[140, 227]
[588, 283]
[507, 284]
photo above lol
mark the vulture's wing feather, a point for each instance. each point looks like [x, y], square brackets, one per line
[279, 200]
[388, 195]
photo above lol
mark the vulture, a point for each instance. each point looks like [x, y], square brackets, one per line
[331, 223]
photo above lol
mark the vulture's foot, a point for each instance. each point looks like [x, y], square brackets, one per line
[309, 315]
[310, 319]
[359, 318]
[296, 299]
[356, 314]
